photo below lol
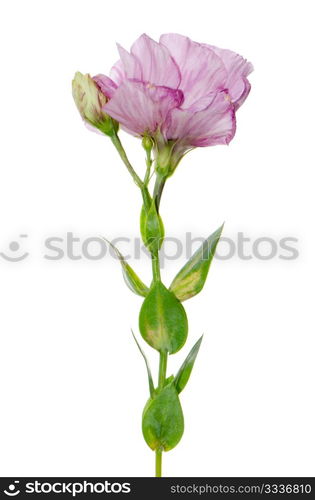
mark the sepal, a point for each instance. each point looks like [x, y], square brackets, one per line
[185, 370]
[132, 280]
[150, 379]
[191, 278]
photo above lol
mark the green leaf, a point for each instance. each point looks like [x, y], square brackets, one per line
[150, 379]
[185, 370]
[169, 380]
[163, 420]
[163, 322]
[191, 278]
[132, 280]
[152, 229]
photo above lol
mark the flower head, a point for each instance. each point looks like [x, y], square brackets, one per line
[181, 93]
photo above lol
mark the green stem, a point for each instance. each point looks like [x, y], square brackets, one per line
[162, 366]
[162, 369]
[158, 463]
[122, 153]
[158, 189]
[147, 200]
[149, 165]
[162, 378]
[156, 268]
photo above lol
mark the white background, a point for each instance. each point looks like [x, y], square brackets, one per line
[73, 384]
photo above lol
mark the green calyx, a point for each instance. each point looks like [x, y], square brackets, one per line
[168, 154]
[108, 126]
[164, 159]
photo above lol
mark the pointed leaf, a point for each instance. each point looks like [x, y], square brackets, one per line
[185, 370]
[191, 278]
[169, 380]
[163, 420]
[163, 322]
[132, 280]
[150, 379]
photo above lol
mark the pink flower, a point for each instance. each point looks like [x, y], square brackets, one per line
[181, 93]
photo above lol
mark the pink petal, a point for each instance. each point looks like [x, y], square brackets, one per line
[106, 85]
[244, 94]
[142, 108]
[202, 71]
[211, 126]
[117, 73]
[131, 65]
[158, 67]
[128, 66]
[238, 69]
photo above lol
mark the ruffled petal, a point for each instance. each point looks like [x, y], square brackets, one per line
[246, 90]
[131, 65]
[142, 108]
[106, 85]
[211, 126]
[202, 71]
[238, 69]
[128, 66]
[158, 67]
[117, 73]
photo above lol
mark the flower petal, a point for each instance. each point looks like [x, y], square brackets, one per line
[238, 69]
[142, 108]
[131, 65]
[128, 66]
[158, 67]
[202, 71]
[105, 84]
[117, 73]
[244, 94]
[211, 126]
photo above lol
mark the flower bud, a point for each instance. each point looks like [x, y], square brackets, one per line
[90, 101]
[152, 228]
[147, 143]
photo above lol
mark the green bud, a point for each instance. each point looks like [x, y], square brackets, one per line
[152, 229]
[163, 322]
[147, 143]
[163, 420]
[90, 101]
